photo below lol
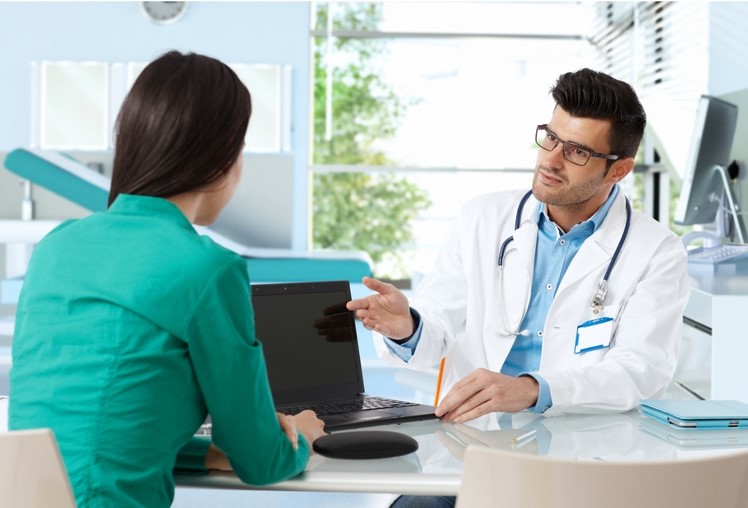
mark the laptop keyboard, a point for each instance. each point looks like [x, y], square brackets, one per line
[331, 408]
[347, 406]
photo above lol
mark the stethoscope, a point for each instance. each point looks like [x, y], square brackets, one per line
[602, 287]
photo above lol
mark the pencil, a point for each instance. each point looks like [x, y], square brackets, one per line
[439, 381]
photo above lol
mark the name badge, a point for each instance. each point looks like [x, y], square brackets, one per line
[594, 334]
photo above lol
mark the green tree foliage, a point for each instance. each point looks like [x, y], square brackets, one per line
[362, 211]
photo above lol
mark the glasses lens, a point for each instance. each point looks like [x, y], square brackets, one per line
[545, 139]
[576, 154]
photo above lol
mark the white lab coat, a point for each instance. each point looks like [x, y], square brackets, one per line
[459, 304]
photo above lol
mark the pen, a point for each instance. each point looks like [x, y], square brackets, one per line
[439, 381]
[524, 437]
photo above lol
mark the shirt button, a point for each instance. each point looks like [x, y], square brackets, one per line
[549, 286]
[562, 242]
[540, 333]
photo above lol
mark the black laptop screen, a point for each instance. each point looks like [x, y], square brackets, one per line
[309, 340]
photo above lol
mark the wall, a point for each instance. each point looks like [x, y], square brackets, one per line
[728, 75]
[235, 32]
[728, 47]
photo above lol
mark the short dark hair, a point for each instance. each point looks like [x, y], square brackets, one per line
[591, 94]
[180, 128]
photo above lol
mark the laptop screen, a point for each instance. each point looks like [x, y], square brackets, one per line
[309, 340]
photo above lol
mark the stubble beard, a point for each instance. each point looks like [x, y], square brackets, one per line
[572, 196]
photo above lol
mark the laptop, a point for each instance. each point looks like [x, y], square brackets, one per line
[311, 351]
[698, 414]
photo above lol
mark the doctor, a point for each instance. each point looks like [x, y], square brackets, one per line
[561, 300]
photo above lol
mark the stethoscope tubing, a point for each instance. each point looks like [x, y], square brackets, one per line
[601, 292]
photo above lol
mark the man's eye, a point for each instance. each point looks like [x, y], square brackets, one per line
[579, 151]
[551, 136]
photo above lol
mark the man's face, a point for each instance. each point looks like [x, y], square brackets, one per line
[558, 182]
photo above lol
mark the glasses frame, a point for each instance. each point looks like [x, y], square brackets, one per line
[592, 153]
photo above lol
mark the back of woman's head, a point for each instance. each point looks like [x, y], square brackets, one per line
[180, 128]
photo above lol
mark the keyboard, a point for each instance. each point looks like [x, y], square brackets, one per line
[329, 408]
[721, 254]
[347, 406]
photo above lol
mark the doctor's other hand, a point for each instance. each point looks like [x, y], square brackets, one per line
[484, 391]
[386, 312]
[310, 426]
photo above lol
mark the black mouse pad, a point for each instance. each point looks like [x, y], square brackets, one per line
[365, 444]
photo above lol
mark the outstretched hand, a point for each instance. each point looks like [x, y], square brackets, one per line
[386, 312]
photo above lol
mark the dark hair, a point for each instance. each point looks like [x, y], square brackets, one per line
[591, 94]
[180, 128]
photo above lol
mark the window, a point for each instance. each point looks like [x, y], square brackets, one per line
[79, 103]
[438, 101]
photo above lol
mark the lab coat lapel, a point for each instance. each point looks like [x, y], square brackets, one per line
[598, 249]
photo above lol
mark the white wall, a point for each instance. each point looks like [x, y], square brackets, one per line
[728, 47]
[235, 32]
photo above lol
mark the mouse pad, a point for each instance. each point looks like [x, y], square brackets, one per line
[365, 444]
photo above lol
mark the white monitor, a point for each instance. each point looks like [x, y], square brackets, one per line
[706, 194]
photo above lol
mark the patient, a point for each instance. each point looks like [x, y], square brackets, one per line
[131, 327]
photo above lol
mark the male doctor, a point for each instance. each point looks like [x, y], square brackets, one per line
[584, 314]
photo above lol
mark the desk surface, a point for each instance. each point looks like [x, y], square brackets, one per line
[436, 467]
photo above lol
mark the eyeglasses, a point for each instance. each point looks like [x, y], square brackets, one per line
[574, 153]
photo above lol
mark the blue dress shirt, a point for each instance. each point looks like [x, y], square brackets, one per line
[553, 255]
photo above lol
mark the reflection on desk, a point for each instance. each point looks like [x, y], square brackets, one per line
[436, 467]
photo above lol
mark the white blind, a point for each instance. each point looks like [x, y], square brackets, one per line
[662, 49]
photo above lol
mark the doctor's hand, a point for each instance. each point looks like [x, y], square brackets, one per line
[387, 312]
[483, 392]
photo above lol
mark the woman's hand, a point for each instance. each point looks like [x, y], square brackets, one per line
[310, 426]
[216, 459]
[288, 424]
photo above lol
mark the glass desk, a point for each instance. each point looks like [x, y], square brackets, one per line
[436, 467]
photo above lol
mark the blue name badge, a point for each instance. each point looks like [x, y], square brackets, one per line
[594, 334]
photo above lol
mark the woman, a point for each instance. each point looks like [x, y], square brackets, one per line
[131, 327]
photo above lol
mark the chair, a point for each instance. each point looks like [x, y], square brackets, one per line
[32, 474]
[506, 479]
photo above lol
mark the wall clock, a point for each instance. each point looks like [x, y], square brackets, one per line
[164, 12]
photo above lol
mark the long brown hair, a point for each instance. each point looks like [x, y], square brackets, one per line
[180, 128]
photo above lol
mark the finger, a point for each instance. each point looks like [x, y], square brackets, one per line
[459, 393]
[477, 411]
[472, 405]
[377, 285]
[358, 304]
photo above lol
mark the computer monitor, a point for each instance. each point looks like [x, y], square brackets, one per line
[706, 195]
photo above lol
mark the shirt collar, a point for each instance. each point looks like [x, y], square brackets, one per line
[596, 220]
[130, 204]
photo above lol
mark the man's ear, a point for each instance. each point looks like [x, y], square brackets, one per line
[620, 169]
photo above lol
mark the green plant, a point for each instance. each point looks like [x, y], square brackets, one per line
[356, 210]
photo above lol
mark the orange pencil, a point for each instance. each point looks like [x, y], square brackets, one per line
[439, 381]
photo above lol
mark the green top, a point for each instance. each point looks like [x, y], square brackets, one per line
[130, 328]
